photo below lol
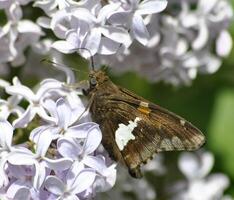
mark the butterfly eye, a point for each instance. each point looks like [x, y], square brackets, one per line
[93, 81]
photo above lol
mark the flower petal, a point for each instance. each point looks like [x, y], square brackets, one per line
[92, 43]
[80, 130]
[54, 185]
[224, 44]
[69, 148]
[116, 34]
[151, 6]
[202, 38]
[60, 164]
[64, 113]
[93, 140]
[139, 30]
[24, 119]
[63, 46]
[108, 47]
[6, 134]
[83, 181]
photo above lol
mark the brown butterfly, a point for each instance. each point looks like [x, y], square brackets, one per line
[133, 128]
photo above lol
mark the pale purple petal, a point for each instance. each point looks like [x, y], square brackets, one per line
[212, 64]
[6, 134]
[196, 166]
[95, 162]
[120, 18]
[24, 119]
[50, 106]
[43, 114]
[139, 30]
[27, 26]
[69, 148]
[106, 10]
[22, 91]
[116, 34]
[202, 38]
[151, 6]
[73, 38]
[63, 46]
[59, 164]
[83, 181]
[4, 178]
[59, 23]
[21, 157]
[40, 175]
[54, 185]
[44, 22]
[93, 140]
[18, 191]
[73, 172]
[206, 6]
[224, 44]
[64, 113]
[35, 133]
[80, 130]
[108, 47]
[93, 42]
[43, 142]
[217, 183]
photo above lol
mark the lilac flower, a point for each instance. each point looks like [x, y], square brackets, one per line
[5, 148]
[106, 176]
[75, 182]
[201, 186]
[62, 125]
[35, 101]
[9, 106]
[24, 156]
[86, 32]
[15, 38]
[81, 150]
[130, 14]
[13, 9]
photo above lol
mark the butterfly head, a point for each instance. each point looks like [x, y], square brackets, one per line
[96, 78]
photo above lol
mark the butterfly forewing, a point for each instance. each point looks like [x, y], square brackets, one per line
[135, 129]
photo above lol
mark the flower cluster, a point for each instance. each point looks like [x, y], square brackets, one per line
[198, 185]
[97, 26]
[17, 34]
[176, 45]
[60, 157]
[180, 43]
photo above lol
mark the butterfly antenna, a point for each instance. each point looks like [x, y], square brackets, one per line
[91, 56]
[60, 65]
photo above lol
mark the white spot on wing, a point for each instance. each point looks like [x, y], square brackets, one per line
[124, 133]
[182, 122]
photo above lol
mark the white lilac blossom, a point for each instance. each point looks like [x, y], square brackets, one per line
[199, 184]
[59, 158]
[96, 26]
[180, 44]
[15, 37]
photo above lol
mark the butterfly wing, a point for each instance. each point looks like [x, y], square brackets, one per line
[135, 129]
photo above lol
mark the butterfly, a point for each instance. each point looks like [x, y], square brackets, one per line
[134, 129]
